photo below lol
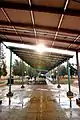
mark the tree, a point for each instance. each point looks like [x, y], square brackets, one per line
[17, 68]
[62, 70]
[32, 72]
[54, 74]
[2, 63]
[4, 71]
[0, 72]
[28, 70]
[72, 70]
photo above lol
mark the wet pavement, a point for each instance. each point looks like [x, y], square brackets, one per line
[68, 105]
[39, 102]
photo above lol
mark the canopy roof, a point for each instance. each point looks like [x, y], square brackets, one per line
[42, 62]
[56, 23]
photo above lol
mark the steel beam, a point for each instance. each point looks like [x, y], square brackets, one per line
[41, 37]
[49, 28]
[38, 8]
[29, 43]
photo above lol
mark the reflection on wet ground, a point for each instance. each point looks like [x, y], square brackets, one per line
[37, 101]
[69, 105]
[19, 99]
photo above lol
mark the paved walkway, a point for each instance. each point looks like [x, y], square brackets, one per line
[38, 102]
[43, 107]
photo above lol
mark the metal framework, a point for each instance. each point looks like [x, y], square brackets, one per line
[45, 61]
[38, 8]
[52, 23]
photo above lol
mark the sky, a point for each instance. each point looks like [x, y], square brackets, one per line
[7, 52]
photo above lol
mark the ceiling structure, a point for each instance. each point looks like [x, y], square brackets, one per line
[56, 23]
[42, 62]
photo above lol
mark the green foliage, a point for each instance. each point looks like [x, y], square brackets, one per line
[0, 72]
[17, 69]
[72, 70]
[3, 70]
[54, 76]
[32, 72]
[62, 70]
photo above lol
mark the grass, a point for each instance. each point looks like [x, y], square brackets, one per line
[65, 81]
[1, 82]
[19, 82]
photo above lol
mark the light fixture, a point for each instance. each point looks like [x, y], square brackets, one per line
[40, 48]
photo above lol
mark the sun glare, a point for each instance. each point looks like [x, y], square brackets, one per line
[40, 48]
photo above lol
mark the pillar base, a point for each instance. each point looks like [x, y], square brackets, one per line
[10, 94]
[0, 102]
[22, 86]
[58, 86]
[70, 94]
[78, 101]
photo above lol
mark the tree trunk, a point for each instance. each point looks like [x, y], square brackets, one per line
[71, 76]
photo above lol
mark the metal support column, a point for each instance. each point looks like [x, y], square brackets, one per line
[70, 108]
[22, 74]
[78, 71]
[69, 93]
[10, 93]
[58, 79]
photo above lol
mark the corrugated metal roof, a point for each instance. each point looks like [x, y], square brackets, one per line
[45, 61]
